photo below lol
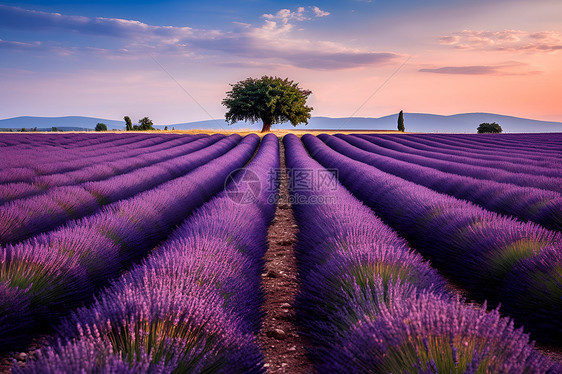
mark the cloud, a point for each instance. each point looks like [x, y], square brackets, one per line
[33, 20]
[15, 45]
[511, 68]
[506, 40]
[273, 42]
[319, 12]
[37, 47]
[301, 14]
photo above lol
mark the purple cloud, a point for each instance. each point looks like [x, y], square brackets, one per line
[33, 20]
[14, 45]
[274, 42]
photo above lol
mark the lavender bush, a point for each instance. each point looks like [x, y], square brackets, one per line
[353, 279]
[192, 306]
[477, 248]
[61, 268]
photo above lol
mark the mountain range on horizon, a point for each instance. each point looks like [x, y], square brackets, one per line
[414, 122]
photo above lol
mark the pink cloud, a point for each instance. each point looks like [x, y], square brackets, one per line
[506, 40]
[509, 68]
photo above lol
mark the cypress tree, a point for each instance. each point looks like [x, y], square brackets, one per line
[401, 121]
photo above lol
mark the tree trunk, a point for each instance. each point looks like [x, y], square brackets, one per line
[266, 127]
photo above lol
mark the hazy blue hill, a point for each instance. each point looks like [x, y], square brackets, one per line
[66, 123]
[415, 122]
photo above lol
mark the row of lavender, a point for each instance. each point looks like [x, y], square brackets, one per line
[38, 155]
[475, 171]
[41, 143]
[192, 306]
[33, 166]
[23, 218]
[43, 140]
[45, 276]
[532, 150]
[369, 304]
[490, 156]
[492, 256]
[526, 203]
[511, 162]
[93, 168]
[505, 143]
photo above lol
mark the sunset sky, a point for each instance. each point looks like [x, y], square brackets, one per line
[113, 58]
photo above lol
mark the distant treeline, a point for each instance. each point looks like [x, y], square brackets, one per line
[144, 124]
[43, 129]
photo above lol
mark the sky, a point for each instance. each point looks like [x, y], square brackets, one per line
[173, 60]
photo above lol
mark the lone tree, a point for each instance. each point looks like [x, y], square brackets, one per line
[128, 123]
[401, 121]
[489, 128]
[101, 127]
[269, 99]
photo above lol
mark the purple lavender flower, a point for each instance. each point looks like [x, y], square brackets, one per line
[526, 203]
[193, 306]
[477, 248]
[62, 272]
[435, 334]
[534, 294]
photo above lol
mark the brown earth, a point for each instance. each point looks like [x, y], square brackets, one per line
[283, 347]
[6, 361]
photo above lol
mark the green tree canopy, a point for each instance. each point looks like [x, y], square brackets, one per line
[145, 124]
[128, 123]
[269, 99]
[101, 127]
[401, 121]
[489, 128]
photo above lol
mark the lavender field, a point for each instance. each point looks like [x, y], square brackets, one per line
[416, 253]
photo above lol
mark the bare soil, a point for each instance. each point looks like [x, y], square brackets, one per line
[283, 347]
[6, 361]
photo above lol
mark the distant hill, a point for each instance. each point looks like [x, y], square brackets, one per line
[70, 123]
[414, 122]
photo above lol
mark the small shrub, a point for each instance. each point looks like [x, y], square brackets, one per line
[101, 127]
[489, 128]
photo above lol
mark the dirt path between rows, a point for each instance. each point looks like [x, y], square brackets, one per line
[281, 344]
